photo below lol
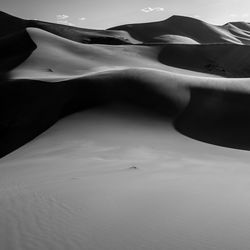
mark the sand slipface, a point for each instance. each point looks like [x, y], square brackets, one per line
[125, 138]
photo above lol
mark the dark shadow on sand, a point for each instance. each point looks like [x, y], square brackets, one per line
[217, 117]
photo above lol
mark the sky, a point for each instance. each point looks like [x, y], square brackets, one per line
[101, 14]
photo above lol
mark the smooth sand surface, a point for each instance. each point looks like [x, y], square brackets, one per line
[74, 187]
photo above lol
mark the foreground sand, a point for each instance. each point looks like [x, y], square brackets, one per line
[73, 187]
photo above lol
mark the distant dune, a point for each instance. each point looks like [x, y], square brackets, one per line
[192, 28]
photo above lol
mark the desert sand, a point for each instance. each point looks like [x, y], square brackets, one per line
[134, 137]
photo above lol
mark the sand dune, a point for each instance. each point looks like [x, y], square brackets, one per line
[192, 28]
[58, 67]
[84, 58]
[84, 35]
[107, 137]
[243, 26]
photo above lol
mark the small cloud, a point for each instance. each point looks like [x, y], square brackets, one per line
[65, 22]
[82, 18]
[150, 9]
[61, 17]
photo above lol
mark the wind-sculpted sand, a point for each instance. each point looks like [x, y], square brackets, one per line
[134, 137]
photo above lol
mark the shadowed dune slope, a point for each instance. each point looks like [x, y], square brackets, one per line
[228, 60]
[217, 117]
[10, 24]
[179, 67]
[11, 54]
[15, 43]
